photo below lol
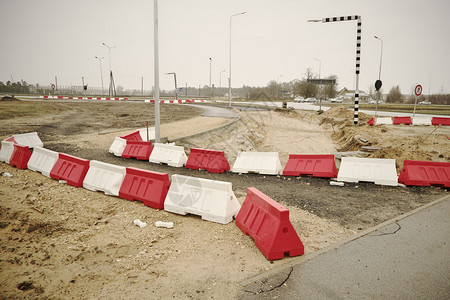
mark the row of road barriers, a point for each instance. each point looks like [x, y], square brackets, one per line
[352, 169]
[265, 220]
[212, 200]
[419, 120]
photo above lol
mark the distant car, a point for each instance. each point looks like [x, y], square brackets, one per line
[424, 103]
[311, 100]
[336, 100]
[299, 99]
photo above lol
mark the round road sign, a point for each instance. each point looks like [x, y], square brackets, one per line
[53, 86]
[418, 90]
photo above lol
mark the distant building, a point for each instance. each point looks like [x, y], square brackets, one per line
[350, 94]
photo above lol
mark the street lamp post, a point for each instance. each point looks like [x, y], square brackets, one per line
[175, 79]
[320, 65]
[111, 79]
[101, 71]
[156, 70]
[220, 83]
[379, 77]
[278, 80]
[210, 69]
[229, 77]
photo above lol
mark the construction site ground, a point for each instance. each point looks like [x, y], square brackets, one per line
[58, 241]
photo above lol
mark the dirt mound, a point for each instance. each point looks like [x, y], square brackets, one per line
[338, 112]
[8, 98]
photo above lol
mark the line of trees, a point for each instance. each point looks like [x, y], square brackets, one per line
[395, 96]
[14, 87]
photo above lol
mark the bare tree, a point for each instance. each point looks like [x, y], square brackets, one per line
[395, 95]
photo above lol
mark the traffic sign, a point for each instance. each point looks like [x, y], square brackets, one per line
[378, 85]
[53, 86]
[418, 90]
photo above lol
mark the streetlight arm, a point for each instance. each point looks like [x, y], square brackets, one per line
[381, 56]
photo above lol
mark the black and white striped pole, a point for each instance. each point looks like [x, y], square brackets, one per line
[358, 54]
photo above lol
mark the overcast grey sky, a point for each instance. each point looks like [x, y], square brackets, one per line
[41, 39]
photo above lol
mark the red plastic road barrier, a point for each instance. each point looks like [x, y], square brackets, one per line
[321, 165]
[402, 120]
[371, 122]
[209, 160]
[20, 157]
[138, 150]
[149, 187]
[134, 136]
[267, 222]
[71, 169]
[425, 173]
[440, 121]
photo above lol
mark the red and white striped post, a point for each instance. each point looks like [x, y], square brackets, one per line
[358, 54]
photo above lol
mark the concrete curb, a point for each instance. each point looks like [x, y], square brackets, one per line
[303, 259]
[206, 131]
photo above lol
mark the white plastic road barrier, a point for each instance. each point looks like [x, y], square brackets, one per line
[169, 154]
[30, 139]
[258, 162]
[6, 151]
[421, 121]
[378, 170]
[212, 200]
[384, 121]
[151, 134]
[43, 160]
[118, 146]
[104, 177]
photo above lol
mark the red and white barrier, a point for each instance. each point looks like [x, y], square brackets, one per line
[149, 187]
[30, 139]
[377, 170]
[258, 162]
[211, 199]
[118, 146]
[104, 177]
[43, 160]
[169, 154]
[20, 156]
[71, 169]
[6, 151]
[267, 222]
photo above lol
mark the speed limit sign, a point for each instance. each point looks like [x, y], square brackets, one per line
[418, 90]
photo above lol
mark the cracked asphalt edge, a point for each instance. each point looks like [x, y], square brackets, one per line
[302, 259]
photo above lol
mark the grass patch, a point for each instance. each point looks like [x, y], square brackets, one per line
[17, 109]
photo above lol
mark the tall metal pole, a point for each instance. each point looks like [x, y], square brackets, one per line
[320, 65]
[156, 67]
[358, 54]
[111, 84]
[220, 83]
[101, 71]
[229, 77]
[210, 69]
[56, 85]
[379, 76]
[176, 87]
[429, 86]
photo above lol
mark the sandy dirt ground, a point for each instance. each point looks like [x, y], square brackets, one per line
[61, 242]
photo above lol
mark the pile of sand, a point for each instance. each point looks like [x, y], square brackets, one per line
[339, 115]
[8, 98]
